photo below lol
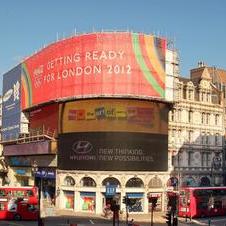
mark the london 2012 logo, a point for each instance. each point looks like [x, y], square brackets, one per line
[38, 73]
[82, 147]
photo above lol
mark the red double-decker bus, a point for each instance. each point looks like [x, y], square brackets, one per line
[202, 201]
[17, 203]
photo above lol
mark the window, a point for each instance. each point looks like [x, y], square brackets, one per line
[190, 136]
[203, 118]
[190, 94]
[203, 137]
[173, 115]
[2, 206]
[217, 117]
[208, 97]
[207, 118]
[203, 158]
[135, 183]
[179, 115]
[190, 158]
[209, 160]
[179, 135]
[217, 139]
[88, 182]
[69, 181]
[208, 139]
[190, 115]
[173, 133]
[155, 183]
[111, 181]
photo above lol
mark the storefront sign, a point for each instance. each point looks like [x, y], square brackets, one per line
[21, 171]
[110, 190]
[46, 173]
[43, 147]
[42, 160]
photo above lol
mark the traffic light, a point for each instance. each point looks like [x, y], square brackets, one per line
[169, 219]
[175, 221]
[115, 207]
[154, 202]
[125, 200]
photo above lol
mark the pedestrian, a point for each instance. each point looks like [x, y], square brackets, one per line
[131, 222]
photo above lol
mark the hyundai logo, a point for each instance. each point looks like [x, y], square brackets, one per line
[82, 147]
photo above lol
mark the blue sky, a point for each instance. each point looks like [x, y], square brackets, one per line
[197, 27]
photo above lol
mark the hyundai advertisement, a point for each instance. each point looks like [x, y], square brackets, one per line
[113, 151]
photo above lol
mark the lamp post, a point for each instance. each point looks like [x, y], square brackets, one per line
[34, 169]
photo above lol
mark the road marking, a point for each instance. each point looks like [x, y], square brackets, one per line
[91, 222]
[15, 224]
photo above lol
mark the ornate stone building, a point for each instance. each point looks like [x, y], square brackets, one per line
[196, 130]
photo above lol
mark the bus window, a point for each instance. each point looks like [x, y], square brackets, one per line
[203, 205]
[29, 193]
[218, 204]
[2, 206]
[2, 193]
[31, 207]
[12, 205]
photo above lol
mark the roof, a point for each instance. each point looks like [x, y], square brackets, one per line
[221, 73]
[184, 80]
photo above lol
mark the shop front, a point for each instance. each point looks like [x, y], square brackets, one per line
[22, 175]
[88, 201]
[45, 178]
[157, 198]
[21, 159]
[136, 201]
[69, 199]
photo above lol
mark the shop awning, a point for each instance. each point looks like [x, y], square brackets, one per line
[135, 195]
[88, 194]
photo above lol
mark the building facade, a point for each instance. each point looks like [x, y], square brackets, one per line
[108, 88]
[196, 130]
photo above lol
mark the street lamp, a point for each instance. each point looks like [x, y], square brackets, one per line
[34, 169]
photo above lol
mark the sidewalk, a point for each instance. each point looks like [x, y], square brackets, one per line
[158, 217]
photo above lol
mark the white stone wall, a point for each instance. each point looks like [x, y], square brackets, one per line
[194, 134]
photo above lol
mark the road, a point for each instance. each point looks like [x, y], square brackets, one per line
[61, 221]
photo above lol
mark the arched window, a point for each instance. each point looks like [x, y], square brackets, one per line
[155, 182]
[172, 182]
[69, 181]
[135, 182]
[189, 181]
[87, 182]
[205, 182]
[111, 181]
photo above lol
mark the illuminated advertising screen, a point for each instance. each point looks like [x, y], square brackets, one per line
[11, 108]
[96, 65]
[114, 115]
[114, 151]
[113, 134]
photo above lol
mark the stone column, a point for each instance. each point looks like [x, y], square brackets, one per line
[99, 201]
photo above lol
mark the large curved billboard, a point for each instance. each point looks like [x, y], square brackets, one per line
[114, 115]
[98, 64]
[113, 134]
